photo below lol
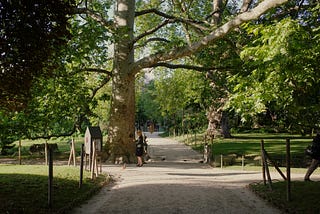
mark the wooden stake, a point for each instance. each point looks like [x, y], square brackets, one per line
[93, 162]
[50, 178]
[263, 163]
[81, 165]
[288, 170]
[20, 152]
[72, 154]
[46, 152]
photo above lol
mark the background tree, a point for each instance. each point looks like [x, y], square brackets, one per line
[281, 77]
[183, 96]
[63, 95]
[31, 35]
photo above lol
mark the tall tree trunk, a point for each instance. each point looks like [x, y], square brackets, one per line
[225, 128]
[122, 117]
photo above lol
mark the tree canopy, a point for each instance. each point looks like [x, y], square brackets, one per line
[280, 77]
[31, 36]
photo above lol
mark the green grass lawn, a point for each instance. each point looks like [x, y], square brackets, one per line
[62, 153]
[24, 188]
[304, 196]
[249, 146]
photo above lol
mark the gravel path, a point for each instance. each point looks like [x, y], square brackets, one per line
[176, 182]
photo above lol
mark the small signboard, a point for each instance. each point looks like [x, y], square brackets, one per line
[93, 133]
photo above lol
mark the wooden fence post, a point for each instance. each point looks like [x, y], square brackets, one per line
[50, 177]
[72, 155]
[93, 159]
[263, 163]
[46, 152]
[288, 170]
[20, 152]
[81, 165]
[242, 162]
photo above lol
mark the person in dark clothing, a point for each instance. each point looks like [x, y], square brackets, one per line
[139, 148]
[315, 148]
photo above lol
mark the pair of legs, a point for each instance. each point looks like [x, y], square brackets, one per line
[140, 162]
[312, 167]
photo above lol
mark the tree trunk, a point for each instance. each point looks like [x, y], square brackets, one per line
[218, 123]
[122, 117]
[225, 128]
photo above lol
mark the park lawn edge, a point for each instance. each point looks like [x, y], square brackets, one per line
[90, 188]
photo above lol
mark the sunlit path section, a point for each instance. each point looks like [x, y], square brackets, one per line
[176, 182]
[168, 150]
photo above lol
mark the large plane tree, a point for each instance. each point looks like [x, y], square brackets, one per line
[192, 32]
[148, 34]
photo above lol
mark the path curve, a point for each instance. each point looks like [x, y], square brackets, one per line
[176, 182]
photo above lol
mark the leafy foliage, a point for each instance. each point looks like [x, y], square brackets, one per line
[31, 35]
[62, 103]
[281, 74]
[183, 96]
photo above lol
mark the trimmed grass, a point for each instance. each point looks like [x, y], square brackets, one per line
[62, 142]
[24, 188]
[249, 145]
[304, 196]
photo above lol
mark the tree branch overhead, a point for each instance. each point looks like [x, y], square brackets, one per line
[253, 14]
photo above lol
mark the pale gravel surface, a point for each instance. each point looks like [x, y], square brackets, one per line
[178, 184]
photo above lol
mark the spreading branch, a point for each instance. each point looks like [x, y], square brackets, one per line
[151, 31]
[95, 16]
[191, 67]
[253, 14]
[194, 23]
[96, 70]
[152, 40]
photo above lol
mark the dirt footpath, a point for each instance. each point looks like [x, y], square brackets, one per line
[176, 182]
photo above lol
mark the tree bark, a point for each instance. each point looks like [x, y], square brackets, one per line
[122, 118]
[225, 128]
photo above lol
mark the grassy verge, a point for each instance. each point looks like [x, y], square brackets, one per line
[304, 196]
[248, 145]
[62, 152]
[24, 188]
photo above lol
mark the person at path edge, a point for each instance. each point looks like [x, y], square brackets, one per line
[315, 157]
[139, 148]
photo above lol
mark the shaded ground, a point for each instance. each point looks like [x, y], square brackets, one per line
[176, 182]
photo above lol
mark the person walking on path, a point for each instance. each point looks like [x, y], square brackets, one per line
[315, 148]
[139, 148]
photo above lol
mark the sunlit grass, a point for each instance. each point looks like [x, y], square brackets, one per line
[24, 188]
[304, 196]
[249, 146]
